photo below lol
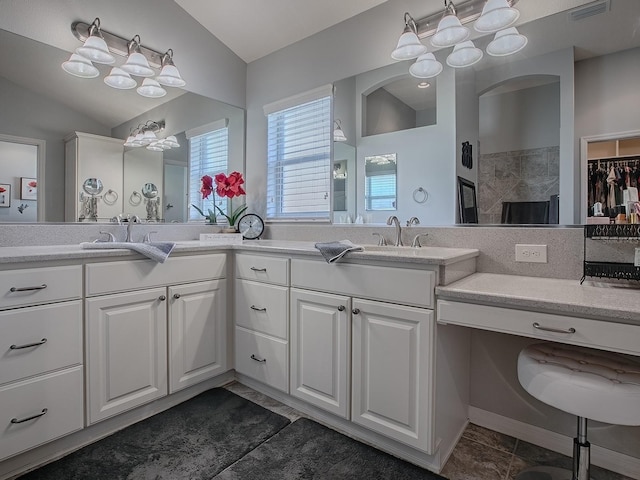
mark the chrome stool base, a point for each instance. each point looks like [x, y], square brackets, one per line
[544, 473]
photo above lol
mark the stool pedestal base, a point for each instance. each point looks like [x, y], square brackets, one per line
[545, 473]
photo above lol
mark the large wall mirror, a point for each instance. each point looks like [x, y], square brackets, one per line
[523, 115]
[43, 103]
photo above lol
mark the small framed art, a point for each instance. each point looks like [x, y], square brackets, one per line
[5, 195]
[28, 188]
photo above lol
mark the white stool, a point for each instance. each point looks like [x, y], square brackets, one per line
[599, 385]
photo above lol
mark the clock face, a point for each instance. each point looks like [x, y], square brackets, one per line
[251, 226]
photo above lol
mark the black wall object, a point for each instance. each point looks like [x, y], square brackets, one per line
[467, 155]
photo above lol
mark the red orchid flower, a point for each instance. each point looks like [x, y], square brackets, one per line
[229, 186]
[207, 186]
[2, 189]
[33, 184]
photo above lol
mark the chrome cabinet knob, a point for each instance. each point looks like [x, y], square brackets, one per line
[176, 296]
[341, 308]
[355, 311]
[162, 298]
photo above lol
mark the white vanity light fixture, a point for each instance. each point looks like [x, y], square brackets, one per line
[464, 54]
[338, 134]
[137, 64]
[81, 67]
[119, 79]
[100, 46]
[450, 30]
[496, 15]
[146, 135]
[507, 42]
[426, 66]
[409, 45]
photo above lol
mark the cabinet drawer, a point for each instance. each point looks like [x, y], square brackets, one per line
[261, 307]
[262, 358]
[59, 324]
[263, 268]
[617, 337]
[111, 277]
[41, 285]
[397, 285]
[60, 393]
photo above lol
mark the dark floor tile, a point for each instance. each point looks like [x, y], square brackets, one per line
[490, 438]
[474, 461]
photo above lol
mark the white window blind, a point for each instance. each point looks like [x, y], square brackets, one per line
[380, 192]
[208, 155]
[299, 161]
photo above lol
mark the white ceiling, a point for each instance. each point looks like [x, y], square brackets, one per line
[255, 28]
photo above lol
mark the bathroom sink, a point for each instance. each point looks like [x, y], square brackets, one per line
[442, 255]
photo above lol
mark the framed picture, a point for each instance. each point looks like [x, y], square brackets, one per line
[5, 195]
[467, 200]
[28, 188]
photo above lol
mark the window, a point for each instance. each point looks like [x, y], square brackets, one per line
[299, 159]
[208, 155]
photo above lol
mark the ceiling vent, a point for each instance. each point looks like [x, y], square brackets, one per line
[590, 10]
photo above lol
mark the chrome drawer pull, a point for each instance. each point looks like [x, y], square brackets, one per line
[27, 289]
[554, 330]
[22, 420]
[261, 360]
[258, 269]
[253, 307]
[355, 311]
[28, 345]
[341, 308]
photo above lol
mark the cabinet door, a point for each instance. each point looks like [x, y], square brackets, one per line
[393, 361]
[320, 344]
[126, 351]
[197, 333]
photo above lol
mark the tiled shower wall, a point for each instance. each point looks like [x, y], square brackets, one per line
[516, 176]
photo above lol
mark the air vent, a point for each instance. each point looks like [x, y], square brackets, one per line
[595, 8]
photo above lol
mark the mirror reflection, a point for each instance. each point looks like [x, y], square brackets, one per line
[31, 80]
[380, 182]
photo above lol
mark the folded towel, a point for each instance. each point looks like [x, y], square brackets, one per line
[334, 251]
[158, 251]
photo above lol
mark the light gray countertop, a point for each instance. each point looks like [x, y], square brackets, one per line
[551, 295]
[427, 255]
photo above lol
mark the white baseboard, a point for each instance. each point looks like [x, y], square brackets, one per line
[602, 457]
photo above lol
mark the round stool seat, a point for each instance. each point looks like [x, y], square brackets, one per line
[594, 384]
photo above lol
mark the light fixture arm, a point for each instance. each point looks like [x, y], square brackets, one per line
[410, 24]
[467, 11]
[167, 58]
[117, 45]
[134, 45]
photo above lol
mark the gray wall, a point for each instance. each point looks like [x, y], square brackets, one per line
[385, 113]
[35, 116]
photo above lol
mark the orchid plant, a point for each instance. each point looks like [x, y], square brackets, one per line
[225, 186]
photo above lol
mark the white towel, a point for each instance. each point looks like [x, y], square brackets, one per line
[334, 251]
[158, 251]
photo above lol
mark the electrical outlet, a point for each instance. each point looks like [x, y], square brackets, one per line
[531, 253]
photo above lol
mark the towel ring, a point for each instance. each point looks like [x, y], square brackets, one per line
[110, 197]
[135, 198]
[420, 195]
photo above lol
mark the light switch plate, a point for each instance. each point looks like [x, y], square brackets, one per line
[531, 253]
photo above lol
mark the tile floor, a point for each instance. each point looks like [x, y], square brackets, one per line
[481, 454]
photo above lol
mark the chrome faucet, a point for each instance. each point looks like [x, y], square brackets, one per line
[133, 219]
[393, 220]
[416, 240]
[381, 240]
[413, 221]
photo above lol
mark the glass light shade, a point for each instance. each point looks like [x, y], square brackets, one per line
[96, 50]
[155, 146]
[172, 141]
[409, 46]
[338, 135]
[149, 137]
[507, 42]
[449, 32]
[79, 66]
[138, 140]
[137, 64]
[464, 54]
[120, 79]
[496, 15]
[426, 66]
[170, 76]
[130, 142]
[151, 89]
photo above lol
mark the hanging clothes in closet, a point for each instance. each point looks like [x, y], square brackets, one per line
[607, 181]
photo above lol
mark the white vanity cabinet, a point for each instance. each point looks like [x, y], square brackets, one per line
[262, 319]
[166, 334]
[41, 361]
[382, 352]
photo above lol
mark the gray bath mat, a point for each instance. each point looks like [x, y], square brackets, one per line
[191, 441]
[307, 450]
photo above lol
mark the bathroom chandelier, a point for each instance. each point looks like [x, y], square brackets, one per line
[144, 135]
[447, 30]
[99, 47]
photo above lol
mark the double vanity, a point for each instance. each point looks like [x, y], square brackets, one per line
[376, 345]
